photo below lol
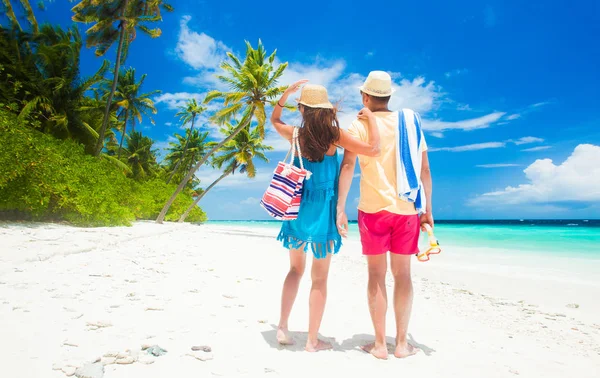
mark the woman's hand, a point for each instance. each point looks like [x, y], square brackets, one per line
[365, 114]
[295, 87]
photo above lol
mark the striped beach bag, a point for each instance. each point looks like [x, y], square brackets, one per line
[282, 198]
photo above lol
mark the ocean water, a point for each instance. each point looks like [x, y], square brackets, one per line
[565, 238]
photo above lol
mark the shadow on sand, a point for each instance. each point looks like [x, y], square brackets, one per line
[354, 343]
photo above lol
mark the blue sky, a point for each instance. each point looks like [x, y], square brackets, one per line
[508, 90]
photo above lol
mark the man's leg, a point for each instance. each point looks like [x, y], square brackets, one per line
[288, 296]
[377, 295]
[403, 298]
[316, 303]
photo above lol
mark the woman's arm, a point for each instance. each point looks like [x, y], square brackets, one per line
[371, 148]
[281, 127]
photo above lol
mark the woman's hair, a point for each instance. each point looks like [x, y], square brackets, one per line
[320, 129]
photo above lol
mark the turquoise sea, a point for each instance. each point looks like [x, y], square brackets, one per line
[568, 238]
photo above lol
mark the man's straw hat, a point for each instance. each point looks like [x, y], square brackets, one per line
[315, 96]
[378, 84]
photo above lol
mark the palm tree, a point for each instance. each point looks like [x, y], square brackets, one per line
[8, 9]
[117, 20]
[187, 114]
[140, 156]
[186, 152]
[238, 152]
[41, 73]
[132, 104]
[252, 83]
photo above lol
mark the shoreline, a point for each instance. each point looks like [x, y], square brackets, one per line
[179, 285]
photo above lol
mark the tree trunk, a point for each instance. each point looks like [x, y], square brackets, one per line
[192, 206]
[100, 143]
[183, 183]
[184, 151]
[123, 135]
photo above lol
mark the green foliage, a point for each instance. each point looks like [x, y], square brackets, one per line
[50, 179]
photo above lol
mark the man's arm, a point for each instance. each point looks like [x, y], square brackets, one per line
[427, 217]
[346, 175]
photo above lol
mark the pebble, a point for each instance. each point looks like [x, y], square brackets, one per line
[156, 351]
[573, 305]
[90, 371]
[203, 348]
[108, 360]
[202, 356]
[146, 360]
[69, 370]
[125, 361]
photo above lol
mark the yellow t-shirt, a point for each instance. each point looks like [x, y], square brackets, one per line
[378, 174]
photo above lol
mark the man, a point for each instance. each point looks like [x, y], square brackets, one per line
[387, 222]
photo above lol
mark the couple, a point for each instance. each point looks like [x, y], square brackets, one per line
[388, 221]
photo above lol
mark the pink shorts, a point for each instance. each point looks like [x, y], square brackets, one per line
[384, 231]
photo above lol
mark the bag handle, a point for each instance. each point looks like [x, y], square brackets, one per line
[292, 151]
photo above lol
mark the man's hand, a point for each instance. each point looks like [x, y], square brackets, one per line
[426, 218]
[342, 223]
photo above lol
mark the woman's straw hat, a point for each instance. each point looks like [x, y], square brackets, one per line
[378, 84]
[315, 96]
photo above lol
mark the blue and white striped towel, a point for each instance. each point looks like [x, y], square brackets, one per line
[409, 157]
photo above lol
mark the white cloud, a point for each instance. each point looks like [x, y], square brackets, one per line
[321, 72]
[175, 100]
[538, 104]
[577, 179]
[168, 124]
[437, 134]
[198, 50]
[356, 175]
[534, 149]
[277, 142]
[471, 147]
[468, 124]
[456, 72]
[496, 165]
[513, 117]
[370, 54]
[527, 140]
[250, 201]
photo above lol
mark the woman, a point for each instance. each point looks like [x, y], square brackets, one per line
[315, 227]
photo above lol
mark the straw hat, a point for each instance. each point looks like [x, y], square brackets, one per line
[315, 96]
[378, 84]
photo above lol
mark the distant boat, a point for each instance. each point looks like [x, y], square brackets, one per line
[585, 220]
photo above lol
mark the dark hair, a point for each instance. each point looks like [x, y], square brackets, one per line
[320, 129]
[381, 101]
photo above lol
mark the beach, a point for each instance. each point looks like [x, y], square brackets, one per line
[133, 301]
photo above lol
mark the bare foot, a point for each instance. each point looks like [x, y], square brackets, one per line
[284, 337]
[404, 350]
[319, 345]
[380, 352]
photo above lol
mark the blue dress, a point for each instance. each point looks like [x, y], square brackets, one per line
[315, 226]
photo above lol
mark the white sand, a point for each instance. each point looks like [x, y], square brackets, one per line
[68, 296]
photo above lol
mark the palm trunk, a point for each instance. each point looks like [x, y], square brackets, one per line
[188, 177]
[100, 143]
[184, 151]
[123, 135]
[192, 206]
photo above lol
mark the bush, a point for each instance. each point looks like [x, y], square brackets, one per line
[45, 178]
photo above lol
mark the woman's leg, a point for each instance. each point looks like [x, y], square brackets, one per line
[318, 297]
[290, 290]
